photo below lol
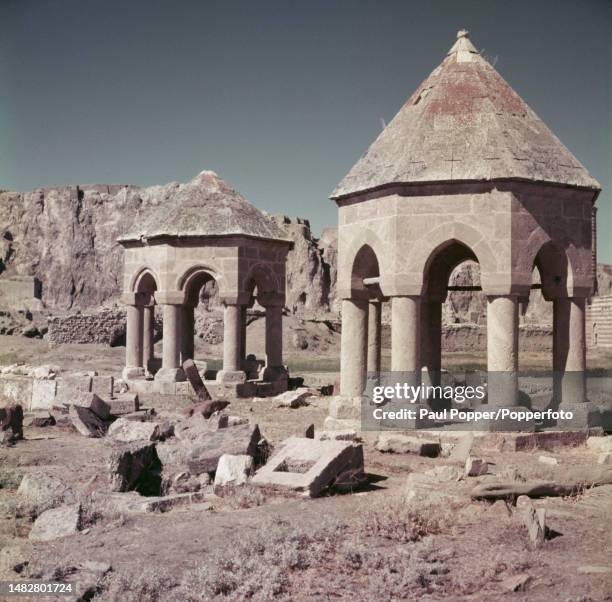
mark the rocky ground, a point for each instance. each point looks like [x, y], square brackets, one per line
[411, 530]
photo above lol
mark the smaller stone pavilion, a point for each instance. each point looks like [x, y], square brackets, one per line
[203, 231]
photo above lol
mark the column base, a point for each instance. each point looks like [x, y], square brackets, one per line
[170, 375]
[584, 415]
[272, 374]
[131, 373]
[503, 425]
[231, 376]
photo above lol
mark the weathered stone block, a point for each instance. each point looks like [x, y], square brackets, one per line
[127, 431]
[86, 422]
[93, 403]
[103, 386]
[405, 444]
[43, 394]
[135, 467]
[56, 523]
[308, 466]
[233, 470]
[123, 403]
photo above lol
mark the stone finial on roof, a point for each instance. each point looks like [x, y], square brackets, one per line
[463, 43]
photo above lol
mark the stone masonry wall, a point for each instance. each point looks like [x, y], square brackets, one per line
[106, 327]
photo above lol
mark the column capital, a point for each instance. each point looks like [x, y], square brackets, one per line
[135, 298]
[170, 297]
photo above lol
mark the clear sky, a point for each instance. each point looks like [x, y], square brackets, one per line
[278, 97]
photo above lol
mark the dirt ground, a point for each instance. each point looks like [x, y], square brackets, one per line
[377, 543]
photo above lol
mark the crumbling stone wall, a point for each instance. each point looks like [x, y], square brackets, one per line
[106, 327]
[599, 322]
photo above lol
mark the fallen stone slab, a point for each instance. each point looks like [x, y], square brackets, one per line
[127, 431]
[169, 502]
[86, 422]
[56, 522]
[233, 470]
[340, 435]
[516, 583]
[236, 421]
[204, 453]
[39, 492]
[293, 399]
[207, 408]
[197, 426]
[571, 485]
[193, 376]
[123, 403]
[39, 419]
[548, 460]
[404, 444]
[308, 466]
[475, 467]
[135, 467]
[93, 403]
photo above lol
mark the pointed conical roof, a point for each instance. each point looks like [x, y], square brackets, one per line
[205, 206]
[464, 123]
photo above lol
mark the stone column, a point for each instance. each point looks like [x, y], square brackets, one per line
[502, 350]
[232, 337]
[243, 333]
[171, 344]
[374, 336]
[274, 338]
[405, 338]
[569, 350]
[133, 343]
[354, 341]
[187, 327]
[431, 340]
[148, 341]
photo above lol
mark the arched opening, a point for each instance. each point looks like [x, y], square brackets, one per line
[451, 320]
[201, 312]
[361, 348]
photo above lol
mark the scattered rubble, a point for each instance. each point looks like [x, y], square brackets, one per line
[39, 419]
[535, 521]
[341, 435]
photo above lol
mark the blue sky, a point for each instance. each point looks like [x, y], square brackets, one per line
[279, 97]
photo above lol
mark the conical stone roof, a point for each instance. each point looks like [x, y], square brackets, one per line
[464, 123]
[205, 206]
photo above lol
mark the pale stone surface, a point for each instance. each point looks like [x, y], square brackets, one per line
[405, 444]
[340, 435]
[599, 444]
[308, 466]
[56, 523]
[292, 399]
[604, 458]
[123, 403]
[43, 394]
[39, 491]
[548, 460]
[233, 470]
[127, 431]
